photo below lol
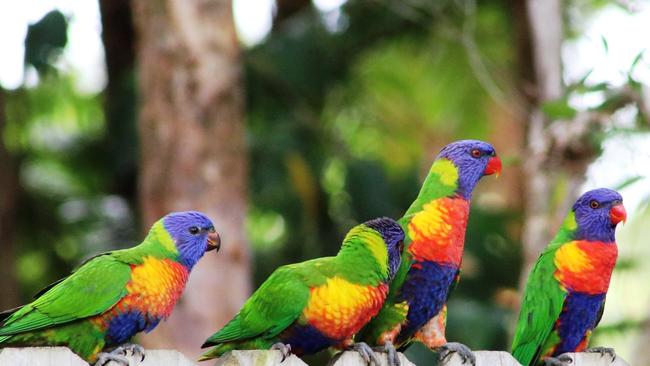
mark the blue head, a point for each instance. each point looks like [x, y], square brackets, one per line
[393, 236]
[193, 234]
[474, 159]
[597, 213]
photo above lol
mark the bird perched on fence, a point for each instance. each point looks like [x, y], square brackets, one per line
[114, 295]
[307, 307]
[435, 234]
[565, 293]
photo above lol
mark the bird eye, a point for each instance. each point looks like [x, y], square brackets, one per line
[476, 153]
[594, 204]
[194, 230]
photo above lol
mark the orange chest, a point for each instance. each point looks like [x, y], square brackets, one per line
[339, 309]
[437, 233]
[584, 266]
[156, 285]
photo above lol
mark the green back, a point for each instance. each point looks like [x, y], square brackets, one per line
[96, 286]
[543, 301]
[281, 299]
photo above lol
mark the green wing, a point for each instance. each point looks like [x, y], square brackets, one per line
[278, 302]
[91, 290]
[542, 305]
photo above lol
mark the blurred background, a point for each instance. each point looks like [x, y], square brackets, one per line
[289, 121]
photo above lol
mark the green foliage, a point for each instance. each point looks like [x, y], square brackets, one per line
[45, 41]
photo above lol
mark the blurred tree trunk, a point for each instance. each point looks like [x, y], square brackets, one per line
[556, 157]
[285, 9]
[120, 142]
[9, 191]
[193, 153]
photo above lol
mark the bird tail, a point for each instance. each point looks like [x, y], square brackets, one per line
[217, 351]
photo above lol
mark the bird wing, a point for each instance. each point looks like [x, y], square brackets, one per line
[90, 290]
[543, 302]
[273, 307]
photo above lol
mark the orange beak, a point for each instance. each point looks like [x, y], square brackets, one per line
[617, 214]
[214, 241]
[493, 166]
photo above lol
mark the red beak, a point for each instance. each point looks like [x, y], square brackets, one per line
[493, 166]
[214, 241]
[617, 214]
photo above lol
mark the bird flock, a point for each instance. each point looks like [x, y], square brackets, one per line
[386, 288]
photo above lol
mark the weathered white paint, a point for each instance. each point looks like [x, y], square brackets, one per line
[256, 358]
[61, 356]
[349, 358]
[40, 356]
[484, 358]
[494, 358]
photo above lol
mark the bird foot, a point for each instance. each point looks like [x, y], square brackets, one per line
[285, 350]
[364, 350]
[391, 353]
[603, 351]
[121, 355]
[104, 358]
[561, 360]
[449, 348]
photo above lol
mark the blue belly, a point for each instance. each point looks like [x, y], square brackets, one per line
[121, 328]
[306, 340]
[426, 290]
[579, 315]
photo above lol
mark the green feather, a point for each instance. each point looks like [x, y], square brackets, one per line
[442, 181]
[84, 293]
[280, 300]
[59, 314]
[543, 302]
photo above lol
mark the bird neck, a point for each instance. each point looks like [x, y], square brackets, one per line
[159, 243]
[363, 256]
[442, 181]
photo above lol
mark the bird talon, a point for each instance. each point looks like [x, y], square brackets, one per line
[602, 351]
[104, 358]
[445, 352]
[285, 350]
[366, 353]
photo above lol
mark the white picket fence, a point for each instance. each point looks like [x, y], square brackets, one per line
[61, 356]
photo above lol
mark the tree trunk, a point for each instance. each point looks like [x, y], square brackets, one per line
[9, 191]
[193, 154]
[551, 162]
[120, 141]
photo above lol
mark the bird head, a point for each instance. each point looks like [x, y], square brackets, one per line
[473, 159]
[193, 234]
[393, 236]
[597, 213]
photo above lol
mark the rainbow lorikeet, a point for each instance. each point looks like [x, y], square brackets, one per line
[435, 234]
[114, 295]
[306, 307]
[565, 294]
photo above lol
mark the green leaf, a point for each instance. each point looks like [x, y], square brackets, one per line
[559, 109]
[628, 182]
[636, 60]
[605, 44]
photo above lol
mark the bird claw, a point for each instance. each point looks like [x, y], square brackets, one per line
[121, 355]
[603, 351]
[364, 350]
[449, 348]
[561, 360]
[105, 357]
[132, 349]
[285, 350]
[391, 353]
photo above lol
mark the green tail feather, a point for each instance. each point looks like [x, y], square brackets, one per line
[217, 351]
